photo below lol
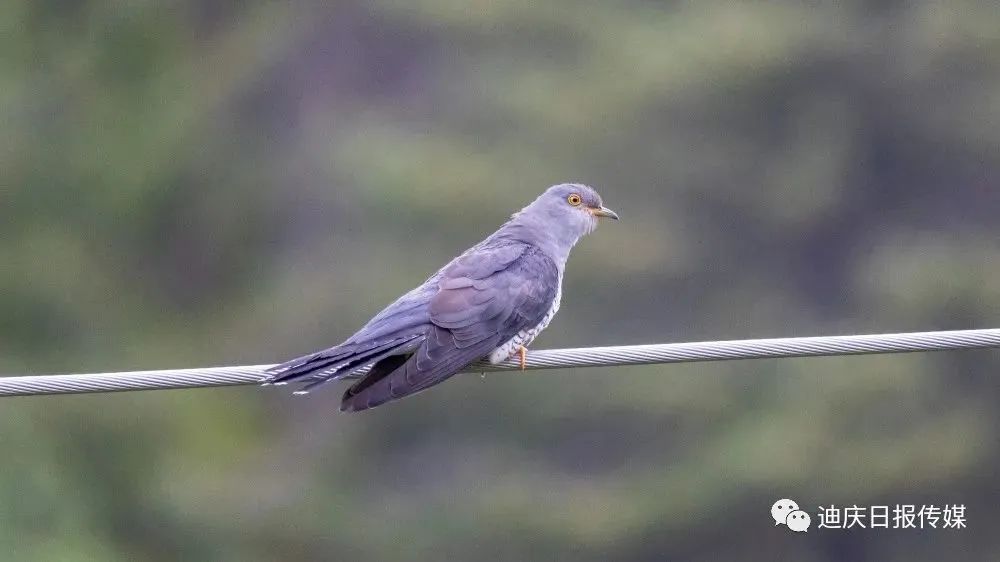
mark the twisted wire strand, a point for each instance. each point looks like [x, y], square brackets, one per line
[543, 359]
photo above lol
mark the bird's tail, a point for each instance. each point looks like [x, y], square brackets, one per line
[337, 362]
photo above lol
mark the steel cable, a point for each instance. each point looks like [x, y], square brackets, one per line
[542, 359]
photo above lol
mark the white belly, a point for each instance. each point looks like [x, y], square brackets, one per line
[525, 337]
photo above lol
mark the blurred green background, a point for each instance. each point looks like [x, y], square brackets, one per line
[195, 183]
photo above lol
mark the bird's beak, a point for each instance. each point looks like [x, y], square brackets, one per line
[604, 212]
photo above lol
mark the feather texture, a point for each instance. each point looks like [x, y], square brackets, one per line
[497, 295]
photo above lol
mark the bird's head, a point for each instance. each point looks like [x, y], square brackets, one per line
[571, 206]
[560, 216]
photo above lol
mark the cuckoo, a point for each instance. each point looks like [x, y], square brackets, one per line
[490, 302]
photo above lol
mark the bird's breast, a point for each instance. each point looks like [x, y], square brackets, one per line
[527, 335]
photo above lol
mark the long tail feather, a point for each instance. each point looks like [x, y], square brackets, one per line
[317, 379]
[335, 362]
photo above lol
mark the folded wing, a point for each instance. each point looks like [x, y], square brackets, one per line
[483, 299]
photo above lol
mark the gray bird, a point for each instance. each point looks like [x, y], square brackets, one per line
[491, 301]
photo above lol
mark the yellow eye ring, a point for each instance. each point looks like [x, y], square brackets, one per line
[574, 199]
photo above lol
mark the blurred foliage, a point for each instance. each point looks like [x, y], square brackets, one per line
[196, 183]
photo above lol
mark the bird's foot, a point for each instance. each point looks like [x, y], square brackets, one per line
[523, 353]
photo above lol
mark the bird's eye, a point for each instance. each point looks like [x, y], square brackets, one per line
[574, 199]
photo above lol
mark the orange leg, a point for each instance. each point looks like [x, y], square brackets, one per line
[523, 352]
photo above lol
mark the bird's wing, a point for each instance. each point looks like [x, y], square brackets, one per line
[398, 329]
[481, 303]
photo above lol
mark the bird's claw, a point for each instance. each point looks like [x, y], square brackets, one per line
[523, 353]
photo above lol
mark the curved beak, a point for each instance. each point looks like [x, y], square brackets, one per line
[604, 212]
